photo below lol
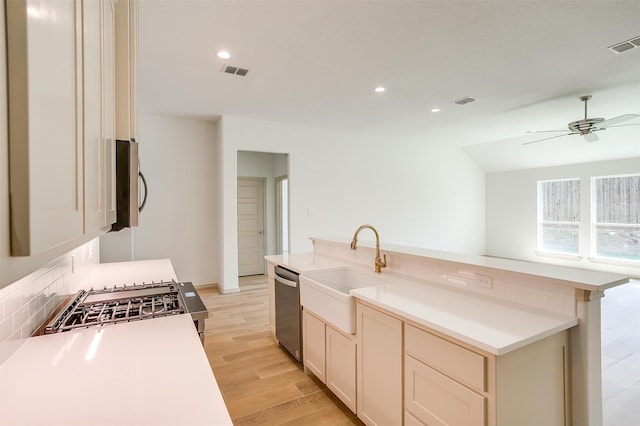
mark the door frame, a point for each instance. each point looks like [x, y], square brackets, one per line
[279, 227]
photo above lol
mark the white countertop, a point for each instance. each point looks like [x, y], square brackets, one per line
[493, 325]
[145, 372]
[304, 262]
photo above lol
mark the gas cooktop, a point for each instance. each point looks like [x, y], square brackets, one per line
[119, 304]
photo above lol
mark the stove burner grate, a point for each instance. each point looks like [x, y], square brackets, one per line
[119, 304]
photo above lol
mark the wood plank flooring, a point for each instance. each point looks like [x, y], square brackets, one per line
[261, 383]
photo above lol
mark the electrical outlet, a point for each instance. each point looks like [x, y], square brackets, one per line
[484, 281]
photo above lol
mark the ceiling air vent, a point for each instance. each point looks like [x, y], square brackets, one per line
[625, 45]
[234, 70]
[463, 101]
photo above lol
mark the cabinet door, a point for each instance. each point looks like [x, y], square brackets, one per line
[99, 111]
[379, 351]
[341, 366]
[314, 345]
[438, 400]
[45, 138]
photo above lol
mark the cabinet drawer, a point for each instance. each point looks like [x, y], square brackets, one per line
[455, 361]
[435, 399]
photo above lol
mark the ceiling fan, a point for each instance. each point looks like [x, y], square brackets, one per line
[587, 127]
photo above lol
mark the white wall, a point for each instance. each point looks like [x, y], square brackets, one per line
[414, 194]
[511, 210]
[179, 222]
[267, 166]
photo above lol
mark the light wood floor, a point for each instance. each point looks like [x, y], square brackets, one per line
[261, 383]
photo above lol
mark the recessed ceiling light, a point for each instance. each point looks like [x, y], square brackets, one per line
[436, 110]
[379, 89]
[223, 54]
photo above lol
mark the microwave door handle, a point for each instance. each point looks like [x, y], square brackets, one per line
[146, 190]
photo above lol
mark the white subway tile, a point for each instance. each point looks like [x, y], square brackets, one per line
[11, 303]
[6, 328]
[555, 304]
[530, 298]
[20, 317]
[28, 328]
[26, 303]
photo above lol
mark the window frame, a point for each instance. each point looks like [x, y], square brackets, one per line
[540, 249]
[593, 225]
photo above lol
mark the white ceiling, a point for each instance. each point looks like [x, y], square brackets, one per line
[316, 63]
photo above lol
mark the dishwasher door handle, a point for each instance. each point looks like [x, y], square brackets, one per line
[286, 281]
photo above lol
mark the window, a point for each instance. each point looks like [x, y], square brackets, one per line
[559, 216]
[616, 217]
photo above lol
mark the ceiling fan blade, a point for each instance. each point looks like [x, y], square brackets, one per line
[546, 131]
[625, 125]
[546, 139]
[590, 137]
[616, 120]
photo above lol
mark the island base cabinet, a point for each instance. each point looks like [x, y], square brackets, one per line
[341, 366]
[379, 363]
[313, 338]
[330, 355]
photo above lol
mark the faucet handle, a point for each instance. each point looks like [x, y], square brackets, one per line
[381, 263]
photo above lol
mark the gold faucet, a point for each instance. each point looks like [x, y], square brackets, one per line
[379, 262]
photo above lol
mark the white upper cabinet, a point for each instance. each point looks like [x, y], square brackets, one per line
[62, 78]
[45, 118]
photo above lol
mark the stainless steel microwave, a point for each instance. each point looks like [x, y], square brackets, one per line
[128, 175]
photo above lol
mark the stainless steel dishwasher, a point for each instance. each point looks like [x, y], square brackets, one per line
[288, 311]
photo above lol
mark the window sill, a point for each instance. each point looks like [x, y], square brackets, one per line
[566, 256]
[617, 262]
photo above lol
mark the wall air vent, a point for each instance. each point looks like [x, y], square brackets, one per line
[625, 45]
[234, 70]
[463, 101]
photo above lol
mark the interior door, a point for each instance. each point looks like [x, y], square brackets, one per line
[251, 226]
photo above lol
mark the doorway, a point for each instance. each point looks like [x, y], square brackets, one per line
[272, 170]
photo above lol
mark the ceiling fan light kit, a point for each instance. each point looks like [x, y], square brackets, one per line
[587, 127]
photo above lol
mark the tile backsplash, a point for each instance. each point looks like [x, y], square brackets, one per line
[27, 302]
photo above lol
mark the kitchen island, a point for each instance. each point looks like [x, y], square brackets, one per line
[153, 371]
[500, 311]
